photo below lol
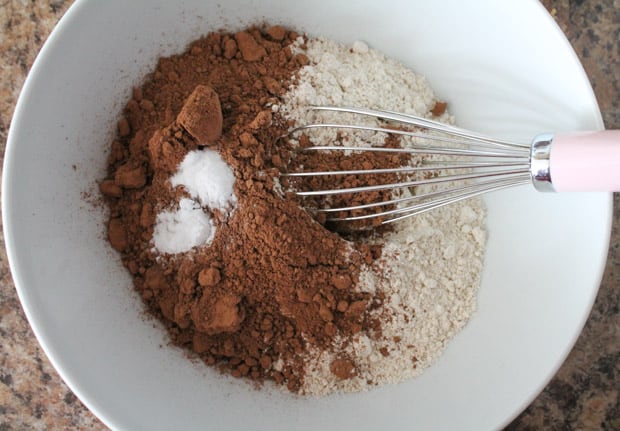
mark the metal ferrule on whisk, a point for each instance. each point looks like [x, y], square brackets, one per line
[540, 162]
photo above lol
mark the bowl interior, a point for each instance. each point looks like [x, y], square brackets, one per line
[545, 253]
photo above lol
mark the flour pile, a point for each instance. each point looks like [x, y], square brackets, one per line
[430, 268]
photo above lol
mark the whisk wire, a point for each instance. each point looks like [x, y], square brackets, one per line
[407, 169]
[489, 165]
[412, 211]
[413, 183]
[421, 149]
[439, 199]
[438, 194]
[414, 120]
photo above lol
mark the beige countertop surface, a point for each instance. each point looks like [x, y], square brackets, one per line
[584, 394]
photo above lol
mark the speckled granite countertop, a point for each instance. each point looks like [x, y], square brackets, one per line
[584, 395]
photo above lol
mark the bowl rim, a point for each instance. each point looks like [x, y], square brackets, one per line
[8, 176]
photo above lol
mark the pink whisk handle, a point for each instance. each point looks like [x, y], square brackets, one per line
[586, 162]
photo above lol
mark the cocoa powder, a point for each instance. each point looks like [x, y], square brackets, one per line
[273, 280]
[336, 160]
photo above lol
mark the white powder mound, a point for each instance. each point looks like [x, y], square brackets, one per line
[179, 230]
[209, 181]
[430, 268]
[207, 178]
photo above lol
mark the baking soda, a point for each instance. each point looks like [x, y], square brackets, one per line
[177, 231]
[207, 178]
[209, 181]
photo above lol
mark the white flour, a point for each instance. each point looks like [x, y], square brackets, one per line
[431, 263]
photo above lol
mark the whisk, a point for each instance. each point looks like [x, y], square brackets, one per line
[582, 161]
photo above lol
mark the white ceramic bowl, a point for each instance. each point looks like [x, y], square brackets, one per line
[505, 70]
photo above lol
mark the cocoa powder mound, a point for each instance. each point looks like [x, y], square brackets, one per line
[273, 280]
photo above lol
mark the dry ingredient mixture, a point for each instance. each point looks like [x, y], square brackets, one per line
[226, 256]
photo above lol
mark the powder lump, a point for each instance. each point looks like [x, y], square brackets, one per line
[177, 231]
[207, 178]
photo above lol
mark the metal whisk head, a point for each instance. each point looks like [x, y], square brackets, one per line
[451, 164]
